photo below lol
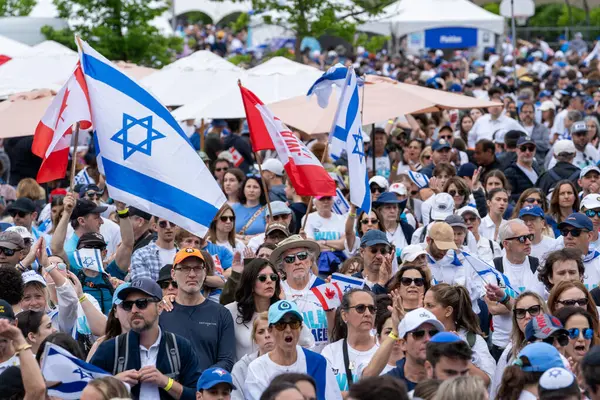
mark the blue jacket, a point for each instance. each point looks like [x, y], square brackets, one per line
[189, 371]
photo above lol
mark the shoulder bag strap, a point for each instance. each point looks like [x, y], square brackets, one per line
[347, 363]
[251, 221]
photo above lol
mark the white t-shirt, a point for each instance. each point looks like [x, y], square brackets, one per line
[542, 249]
[11, 362]
[262, 371]
[521, 278]
[358, 360]
[485, 127]
[319, 228]
[166, 256]
[591, 263]
[397, 239]
[382, 166]
[488, 249]
[256, 241]
[239, 247]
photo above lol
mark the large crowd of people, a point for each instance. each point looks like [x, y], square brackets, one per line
[248, 310]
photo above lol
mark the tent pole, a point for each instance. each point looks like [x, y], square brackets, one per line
[514, 37]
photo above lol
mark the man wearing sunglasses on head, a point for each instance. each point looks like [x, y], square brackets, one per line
[156, 364]
[285, 323]
[523, 174]
[576, 233]
[147, 261]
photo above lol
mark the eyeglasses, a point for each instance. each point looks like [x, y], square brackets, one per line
[530, 149]
[384, 251]
[574, 333]
[165, 284]
[369, 221]
[142, 304]
[361, 308]
[303, 255]
[470, 220]
[377, 189]
[574, 232]
[20, 214]
[186, 270]
[93, 195]
[593, 213]
[426, 157]
[448, 138]
[583, 302]
[225, 218]
[408, 281]
[222, 169]
[163, 224]
[456, 193]
[8, 252]
[531, 200]
[294, 324]
[420, 334]
[523, 238]
[562, 340]
[263, 278]
[533, 311]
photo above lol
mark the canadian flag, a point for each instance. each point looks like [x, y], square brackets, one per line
[267, 132]
[53, 134]
[329, 295]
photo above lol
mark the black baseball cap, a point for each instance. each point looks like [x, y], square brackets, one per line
[165, 273]
[91, 240]
[136, 212]
[85, 207]
[6, 311]
[144, 285]
[22, 204]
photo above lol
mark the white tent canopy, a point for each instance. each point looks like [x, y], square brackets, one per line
[216, 10]
[408, 16]
[12, 48]
[52, 47]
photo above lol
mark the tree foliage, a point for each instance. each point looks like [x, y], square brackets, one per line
[16, 8]
[118, 29]
[371, 44]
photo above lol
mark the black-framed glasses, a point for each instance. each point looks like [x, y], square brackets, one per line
[371, 221]
[222, 169]
[523, 238]
[8, 252]
[377, 189]
[573, 232]
[165, 284]
[420, 334]
[141, 304]
[19, 213]
[384, 251]
[529, 148]
[361, 308]
[409, 281]
[561, 339]
[448, 138]
[455, 193]
[470, 220]
[592, 213]
[186, 270]
[289, 259]
[272, 277]
[294, 324]
[92, 194]
[582, 302]
[531, 200]
[534, 311]
[574, 333]
[226, 218]
[164, 224]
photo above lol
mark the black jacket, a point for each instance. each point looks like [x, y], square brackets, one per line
[562, 170]
[519, 182]
[23, 163]
[487, 168]
[243, 147]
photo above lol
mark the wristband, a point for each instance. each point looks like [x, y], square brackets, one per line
[353, 215]
[169, 385]
[393, 336]
[22, 348]
[122, 212]
[505, 298]
[82, 298]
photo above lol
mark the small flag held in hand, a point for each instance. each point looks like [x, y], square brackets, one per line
[329, 295]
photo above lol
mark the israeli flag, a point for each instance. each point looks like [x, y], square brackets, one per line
[322, 88]
[66, 374]
[340, 204]
[489, 273]
[146, 157]
[347, 283]
[89, 259]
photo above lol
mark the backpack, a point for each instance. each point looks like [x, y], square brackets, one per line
[534, 263]
[471, 339]
[122, 353]
[92, 286]
[573, 177]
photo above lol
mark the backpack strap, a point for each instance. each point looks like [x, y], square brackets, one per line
[349, 377]
[498, 264]
[491, 247]
[471, 339]
[121, 353]
[555, 175]
[173, 352]
[423, 234]
[534, 263]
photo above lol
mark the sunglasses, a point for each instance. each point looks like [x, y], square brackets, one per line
[562, 340]
[163, 224]
[20, 214]
[426, 157]
[8, 252]
[531, 200]
[520, 313]
[420, 334]
[273, 277]
[455, 193]
[377, 189]
[470, 220]
[225, 218]
[361, 308]
[384, 251]
[303, 255]
[295, 324]
[574, 232]
[593, 213]
[523, 238]
[93, 195]
[165, 284]
[369, 221]
[583, 302]
[408, 281]
[530, 149]
[574, 333]
[448, 138]
[141, 304]
[221, 169]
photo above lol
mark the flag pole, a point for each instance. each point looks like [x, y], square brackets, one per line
[201, 132]
[74, 158]
[310, 201]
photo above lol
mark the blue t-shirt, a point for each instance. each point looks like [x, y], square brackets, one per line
[243, 214]
[398, 373]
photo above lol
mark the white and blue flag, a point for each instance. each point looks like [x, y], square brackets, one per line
[347, 283]
[146, 157]
[67, 374]
[322, 88]
[489, 273]
[340, 204]
[89, 259]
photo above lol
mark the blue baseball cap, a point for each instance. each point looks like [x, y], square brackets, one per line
[440, 144]
[577, 220]
[445, 337]
[374, 237]
[534, 211]
[144, 285]
[282, 307]
[387, 198]
[116, 299]
[212, 377]
[545, 93]
[538, 357]
[467, 169]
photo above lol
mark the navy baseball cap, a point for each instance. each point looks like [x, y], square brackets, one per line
[525, 140]
[543, 326]
[212, 377]
[374, 237]
[534, 211]
[144, 285]
[577, 220]
[467, 169]
[440, 144]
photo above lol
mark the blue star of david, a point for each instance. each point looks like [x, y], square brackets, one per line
[83, 374]
[555, 373]
[88, 262]
[347, 288]
[358, 145]
[145, 146]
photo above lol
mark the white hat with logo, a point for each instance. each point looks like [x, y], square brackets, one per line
[414, 319]
[443, 206]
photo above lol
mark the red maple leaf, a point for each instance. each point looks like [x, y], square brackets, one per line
[63, 106]
[329, 293]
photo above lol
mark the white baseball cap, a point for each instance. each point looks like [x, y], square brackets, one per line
[398, 188]
[380, 181]
[443, 206]
[468, 209]
[414, 319]
[411, 252]
[564, 146]
[587, 170]
[273, 165]
[32, 276]
[547, 105]
[21, 230]
[590, 201]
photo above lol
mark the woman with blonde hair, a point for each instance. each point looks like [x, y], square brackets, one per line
[425, 157]
[105, 388]
[462, 387]
[29, 188]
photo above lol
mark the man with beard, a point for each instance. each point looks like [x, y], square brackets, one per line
[155, 363]
[523, 174]
[147, 261]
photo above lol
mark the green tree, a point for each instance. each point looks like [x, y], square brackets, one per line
[118, 29]
[16, 8]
